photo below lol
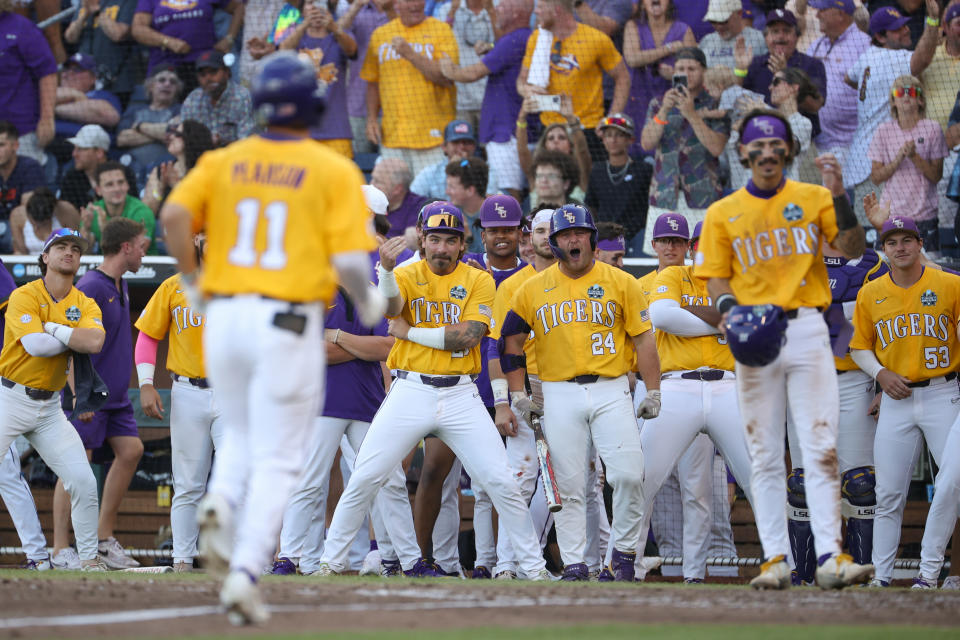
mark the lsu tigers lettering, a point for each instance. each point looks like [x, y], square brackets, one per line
[168, 310]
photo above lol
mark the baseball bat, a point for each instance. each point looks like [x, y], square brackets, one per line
[554, 503]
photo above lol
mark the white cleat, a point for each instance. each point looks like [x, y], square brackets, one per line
[215, 544]
[371, 564]
[112, 555]
[93, 565]
[841, 571]
[774, 574]
[506, 575]
[324, 570]
[951, 583]
[66, 560]
[241, 597]
[543, 575]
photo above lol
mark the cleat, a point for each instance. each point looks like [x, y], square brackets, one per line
[774, 574]
[877, 583]
[215, 517]
[604, 575]
[543, 575]
[241, 598]
[622, 566]
[93, 565]
[283, 567]
[324, 570]
[480, 572]
[112, 555]
[423, 569]
[576, 572]
[371, 563]
[390, 568]
[837, 571]
[693, 581]
[951, 583]
[182, 566]
[43, 564]
[66, 560]
[797, 581]
[923, 584]
[506, 575]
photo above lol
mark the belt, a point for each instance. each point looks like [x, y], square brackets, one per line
[34, 394]
[926, 383]
[707, 375]
[792, 314]
[441, 382]
[197, 382]
[584, 379]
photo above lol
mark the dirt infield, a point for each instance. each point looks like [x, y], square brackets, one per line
[115, 605]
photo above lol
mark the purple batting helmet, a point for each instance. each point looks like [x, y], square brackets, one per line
[285, 91]
[441, 217]
[571, 216]
[756, 333]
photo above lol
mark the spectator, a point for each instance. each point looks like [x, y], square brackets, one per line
[726, 18]
[611, 245]
[459, 143]
[28, 82]
[501, 102]
[33, 223]
[567, 138]
[143, 127]
[114, 202]
[573, 65]
[219, 102]
[686, 178]
[362, 19]
[942, 75]
[393, 177]
[841, 44]
[789, 87]
[186, 142]
[608, 16]
[872, 75]
[258, 20]
[466, 188]
[907, 155]
[619, 188]
[79, 103]
[179, 33]
[734, 103]
[472, 22]
[102, 31]
[913, 10]
[555, 175]
[78, 186]
[19, 177]
[952, 135]
[648, 46]
[693, 13]
[525, 247]
[402, 71]
[329, 46]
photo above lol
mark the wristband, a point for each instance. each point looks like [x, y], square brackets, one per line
[846, 218]
[145, 372]
[725, 301]
[387, 283]
[59, 331]
[521, 124]
[660, 122]
[336, 338]
[740, 73]
[432, 338]
[501, 393]
[933, 22]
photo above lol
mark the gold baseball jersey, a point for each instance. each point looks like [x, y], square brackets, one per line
[646, 283]
[29, 307]
[431, 301]
[769, 248]
[501, 305]
[912, 331]
[583, 326]
[678, 353]
[169, 310]
[275, 212]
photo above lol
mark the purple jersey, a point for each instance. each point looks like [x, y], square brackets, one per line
[846, 279]
[501, 102]
[364, 24]
[114, 363]
[25, 57]
[334, 123]
[7, 285]
[188, 20]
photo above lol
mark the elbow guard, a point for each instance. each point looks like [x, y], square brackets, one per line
[512, 361]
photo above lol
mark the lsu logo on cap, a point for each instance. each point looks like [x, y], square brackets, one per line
[929, 298]
[568, 215]
[500, 210]
[897, 222]
[792, 212]
[674, 224]
[762, 124]
[596, 291]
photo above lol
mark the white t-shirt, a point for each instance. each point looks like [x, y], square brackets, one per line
[719, 52]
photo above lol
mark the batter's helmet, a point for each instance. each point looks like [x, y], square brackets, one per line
[756, 333]
[441, 217]
[571, 216]
[285, 91]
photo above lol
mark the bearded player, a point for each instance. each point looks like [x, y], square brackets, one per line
[761, 246]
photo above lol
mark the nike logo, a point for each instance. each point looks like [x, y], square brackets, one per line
[42, 306]
[879, 300]
[687, 281]
[112, 299]
[179, 290]
[549, 290]
[734, 218]
[422, 284]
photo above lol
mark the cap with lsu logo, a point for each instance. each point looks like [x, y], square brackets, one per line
[500, 211]
[898, 224]
[671, 225]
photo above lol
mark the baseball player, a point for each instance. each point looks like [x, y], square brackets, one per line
[943, 514]
[611, 244]
[196, 425]
[440, 309]
[271, 269]
[44, 319]
[905, 337]
[590, 326]
[761, 245]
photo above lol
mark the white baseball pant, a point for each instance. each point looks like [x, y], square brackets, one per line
[457, 416]
[196, 431]
[522, 457]
[598, 526]
[945, 508]
[602, 412]
[47, 429]
[720, 543]
[446, 530]
[485, 541]
[269, 385]
[927, 414]
[18, 499]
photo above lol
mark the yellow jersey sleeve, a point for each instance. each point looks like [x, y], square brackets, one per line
[169, 310]
[275, 212]
[501, 305]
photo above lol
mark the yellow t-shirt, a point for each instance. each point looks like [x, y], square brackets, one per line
[501, 305]
[169, 310]
[577, 64]
[435, 301]
[275, 212]
[415, 110]
[583, 326]
[912, 331]
[28, 308]
[678, 353]
[770, 249]
[940, 82]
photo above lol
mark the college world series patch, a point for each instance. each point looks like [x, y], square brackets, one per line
[73, 314]
[928, 298]
[458, 292]
[792, 212]
[596, 291]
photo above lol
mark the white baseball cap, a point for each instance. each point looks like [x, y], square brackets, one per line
[542, 217]
[376, 199]
[721, 10]
[91, 136]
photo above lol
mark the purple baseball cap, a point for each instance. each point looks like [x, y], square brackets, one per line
[886, 19]
[782, 15]
[65, 235]
[671, 225]
[846, 6]
[952, 12]
[442, 217]
[500, 211]
[696, 230]
[81, 61]
[898, 224]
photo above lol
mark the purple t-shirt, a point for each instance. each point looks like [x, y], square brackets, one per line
[406, 214]
[364, 24]
[501, 102]
[188, 20]
[692, 12]
[114, 363]
[335, 123]
[25, 57]
[26, 176]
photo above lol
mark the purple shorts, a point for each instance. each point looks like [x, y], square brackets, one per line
[107, 423]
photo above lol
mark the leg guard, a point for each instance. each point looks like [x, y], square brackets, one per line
[798, 527]
[858, 488]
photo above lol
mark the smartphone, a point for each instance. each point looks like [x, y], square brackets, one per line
[679, 81]
[546, 103]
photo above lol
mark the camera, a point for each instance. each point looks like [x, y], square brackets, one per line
[679, 81]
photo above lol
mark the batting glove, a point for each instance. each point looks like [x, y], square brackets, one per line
[372, 307]
[650, 407]
[523, 405]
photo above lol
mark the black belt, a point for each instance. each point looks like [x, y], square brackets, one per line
[707, 375]
[435, 381]
[840, 373]
[197, 382]
[584, 379]
[925, 383]
[793, 313]
[35, 394]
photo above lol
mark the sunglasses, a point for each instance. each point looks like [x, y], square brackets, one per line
[556, 57]
[777, 80]
[440, 220]
[612, 121]
[913, 92]
[173, 131]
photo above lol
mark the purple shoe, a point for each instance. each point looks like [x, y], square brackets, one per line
[422, 569]
[390, 568]
[577, 572]
[480, 572]
[693, 581]
[606, 575]
[284, 567]
[621, 565]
